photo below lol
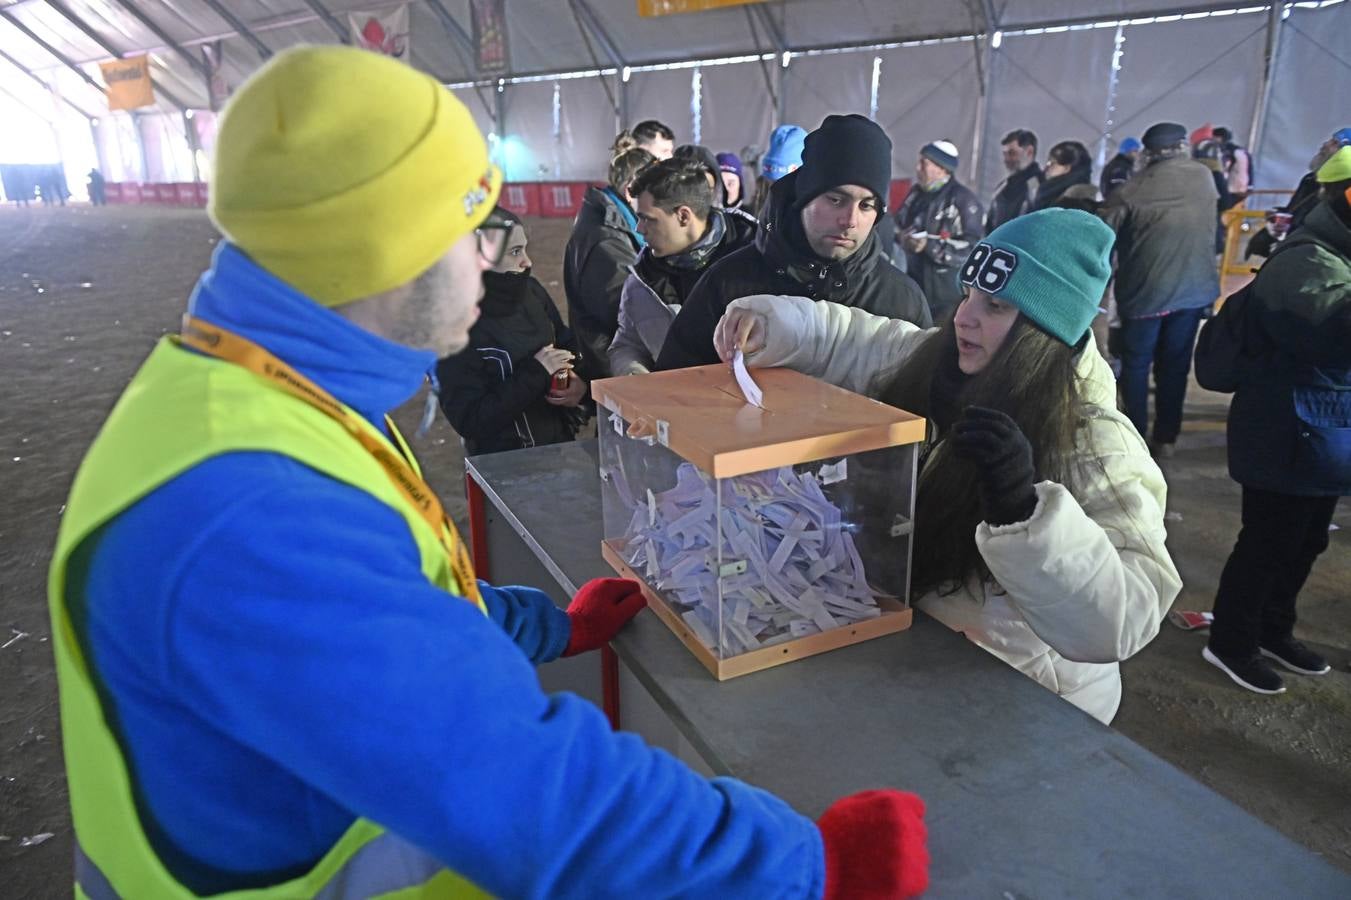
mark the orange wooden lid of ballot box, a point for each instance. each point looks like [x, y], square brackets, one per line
[709, 423]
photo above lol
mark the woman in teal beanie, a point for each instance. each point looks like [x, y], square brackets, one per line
[1039, 518]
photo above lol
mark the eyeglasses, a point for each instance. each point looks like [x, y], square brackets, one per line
[492, 240]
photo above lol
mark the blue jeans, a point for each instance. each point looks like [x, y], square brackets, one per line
[1167, 343]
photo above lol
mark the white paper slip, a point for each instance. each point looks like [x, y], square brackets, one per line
[754, 396]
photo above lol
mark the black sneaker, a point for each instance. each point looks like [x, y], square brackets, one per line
[1296, 657]
[1252, 673]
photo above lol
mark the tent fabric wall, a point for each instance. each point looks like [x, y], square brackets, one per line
[738, 112]
[928, 93]
[663, 95]
[1191, 72]
[1310, 87]
[1188, 69]
[834, 83]
[1054, 84]
[589, 127]
[530, 151]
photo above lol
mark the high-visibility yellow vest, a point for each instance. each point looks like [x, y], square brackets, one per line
[179, 410]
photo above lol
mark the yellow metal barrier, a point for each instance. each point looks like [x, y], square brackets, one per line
[1238, 222]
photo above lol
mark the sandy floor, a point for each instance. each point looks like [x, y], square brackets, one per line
[85, 292]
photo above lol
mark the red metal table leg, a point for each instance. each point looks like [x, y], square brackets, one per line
[478, 527]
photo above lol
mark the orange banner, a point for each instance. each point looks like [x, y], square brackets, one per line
[128, 83]
[652, 8]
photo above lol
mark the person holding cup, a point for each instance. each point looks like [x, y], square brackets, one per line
[514, 386]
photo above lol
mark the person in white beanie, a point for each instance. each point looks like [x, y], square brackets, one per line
[936, 226]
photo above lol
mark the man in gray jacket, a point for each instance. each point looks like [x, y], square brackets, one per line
[1166, 278]
[686, 232]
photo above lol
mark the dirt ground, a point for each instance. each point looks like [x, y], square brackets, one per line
[85, 292]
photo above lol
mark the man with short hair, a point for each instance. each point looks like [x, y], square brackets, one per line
[655, 138]
[937, 224]
[1121, 167]
[603, 245]
[818, 241]
[278, 674]
[1166, 277]
[1017, 193]
[686, 232]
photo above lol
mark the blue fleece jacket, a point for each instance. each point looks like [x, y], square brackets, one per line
[277, 665]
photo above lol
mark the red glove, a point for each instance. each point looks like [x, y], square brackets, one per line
[599, 610]
[874, 844]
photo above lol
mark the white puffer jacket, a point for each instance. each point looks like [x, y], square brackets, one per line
[1080, 585]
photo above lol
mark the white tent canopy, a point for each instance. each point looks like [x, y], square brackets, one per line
[966, 70]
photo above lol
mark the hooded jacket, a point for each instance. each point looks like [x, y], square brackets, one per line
[1164, 219]
[492, 392]
[600, 252]
[780, 262]
[1289, 427]
[1080, 585]
[656, 288]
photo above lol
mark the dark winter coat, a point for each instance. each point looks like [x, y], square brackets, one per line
[743, 225]
[1290, 420]
[780, 262]
[655, 291]
[1014, 196]
[599, 254]
[1118, 171]
[1052, 189]
[1164, 219]
[951, 216]
[493, 391]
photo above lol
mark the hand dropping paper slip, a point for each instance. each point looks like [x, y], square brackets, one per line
[749, 389]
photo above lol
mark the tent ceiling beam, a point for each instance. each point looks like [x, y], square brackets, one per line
[264, 51]
[456, 31]
[330, 20]
[584, 13]
[57, 54]
[196, 64]
[42, 84]
[66, 13]
[772, 29]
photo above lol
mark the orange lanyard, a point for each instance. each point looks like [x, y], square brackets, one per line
[224, 345]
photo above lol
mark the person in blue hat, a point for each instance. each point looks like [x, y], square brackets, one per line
[1039, 517]
[783, 156]
[1121, 167]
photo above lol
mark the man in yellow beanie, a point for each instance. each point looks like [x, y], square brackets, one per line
[279, 677]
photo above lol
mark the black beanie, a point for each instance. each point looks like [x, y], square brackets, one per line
[850, 149]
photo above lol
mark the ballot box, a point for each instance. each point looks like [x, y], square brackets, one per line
[760, 533]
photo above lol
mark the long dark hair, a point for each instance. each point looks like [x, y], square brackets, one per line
[1032, 379]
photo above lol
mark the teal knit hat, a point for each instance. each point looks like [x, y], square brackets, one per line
[1052, 264]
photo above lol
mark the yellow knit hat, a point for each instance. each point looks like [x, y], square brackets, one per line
[346, 173]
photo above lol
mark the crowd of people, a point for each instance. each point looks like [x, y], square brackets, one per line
[660, 254]
[278, 672]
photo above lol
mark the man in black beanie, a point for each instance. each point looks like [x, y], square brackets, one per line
[818, 241]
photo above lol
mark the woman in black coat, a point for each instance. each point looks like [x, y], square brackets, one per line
[500, 392]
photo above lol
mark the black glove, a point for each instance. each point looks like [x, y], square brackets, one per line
[1002, 456]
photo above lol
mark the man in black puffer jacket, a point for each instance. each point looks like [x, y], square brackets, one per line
[817, 241]
[1285, 352]
[497, 393]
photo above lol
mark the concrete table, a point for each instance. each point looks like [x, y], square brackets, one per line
[1028, 797]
